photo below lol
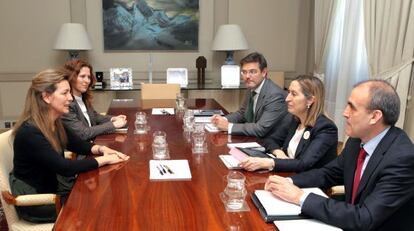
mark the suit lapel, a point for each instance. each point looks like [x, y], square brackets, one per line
[80, 114]
[260, 100]
[302, 143]
[375, 159]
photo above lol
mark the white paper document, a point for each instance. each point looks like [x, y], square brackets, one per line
[202, 119]
[230, 161]
[277, 207]
[245, 145]
[169, 170]
[163, 111]
[304, 224]
[211, 128]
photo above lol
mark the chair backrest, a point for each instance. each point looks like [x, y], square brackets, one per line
[6, 165]
[278, 77]
[159, 90]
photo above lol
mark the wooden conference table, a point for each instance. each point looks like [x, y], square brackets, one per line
[122, 197]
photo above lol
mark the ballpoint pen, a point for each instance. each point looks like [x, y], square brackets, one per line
[163, 169]
[159, 169]
[165, 112]
[168, 169]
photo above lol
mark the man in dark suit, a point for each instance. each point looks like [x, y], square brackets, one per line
[376, 167]
[264, 105]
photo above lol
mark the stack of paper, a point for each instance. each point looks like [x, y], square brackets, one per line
[211, 128]
[163, 111]
[230, 161]
[272, 208]
[169, 170]
[304, 224]
[202, 119]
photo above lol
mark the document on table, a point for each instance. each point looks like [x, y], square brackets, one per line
[163, 111]
[230, 161]
[272, 208]
[211, 128]
[246, 145]
[304, 224]
[202, 119]
[169, 170]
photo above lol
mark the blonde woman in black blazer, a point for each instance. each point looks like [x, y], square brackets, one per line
[311, 139]
[88, 126]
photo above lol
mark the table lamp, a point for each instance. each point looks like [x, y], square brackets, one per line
[229, 38]
[73, 38]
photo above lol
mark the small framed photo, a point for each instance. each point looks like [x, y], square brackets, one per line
[121, 78]
[178, 75]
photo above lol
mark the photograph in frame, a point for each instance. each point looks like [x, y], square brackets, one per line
[121, 78]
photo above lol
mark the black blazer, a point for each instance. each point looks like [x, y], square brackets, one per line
[316, 148]
[385, 197]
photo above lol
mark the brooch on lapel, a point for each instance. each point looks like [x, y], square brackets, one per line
[306, 135]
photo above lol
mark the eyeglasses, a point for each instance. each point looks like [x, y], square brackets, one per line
[251, 72]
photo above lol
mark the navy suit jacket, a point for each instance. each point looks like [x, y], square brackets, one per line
[385, 196]
[270, 109]
[314, 152]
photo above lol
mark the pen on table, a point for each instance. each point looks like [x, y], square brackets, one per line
[159, 169]
[165, 112]
[163, 169]
[168, 169]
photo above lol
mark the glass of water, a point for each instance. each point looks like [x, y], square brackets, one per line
[160, 145]
[235, 190]
[140, 123]
[188, 120]
[198, 139]
[180, 101]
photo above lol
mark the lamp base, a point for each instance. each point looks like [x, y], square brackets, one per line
[229, 58]
[73, 55]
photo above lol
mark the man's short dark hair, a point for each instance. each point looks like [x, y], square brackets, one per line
[383, 98]
[255, 57]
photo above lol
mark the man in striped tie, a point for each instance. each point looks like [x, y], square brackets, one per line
[376, 167]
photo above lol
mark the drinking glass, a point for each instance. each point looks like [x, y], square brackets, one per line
[198, 139]
[160, 145]
[188, 120]
[180, 101]
[235, 190]
[140, 122]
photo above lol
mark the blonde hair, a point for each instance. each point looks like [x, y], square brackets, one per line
[36, 110]
[312, 87]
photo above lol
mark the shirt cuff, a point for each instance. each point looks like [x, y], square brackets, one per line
[229, 127]
[303, 198]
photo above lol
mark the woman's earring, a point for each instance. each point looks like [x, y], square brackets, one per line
[308, 106]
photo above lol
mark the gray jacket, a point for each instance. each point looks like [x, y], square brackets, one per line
[270, 109]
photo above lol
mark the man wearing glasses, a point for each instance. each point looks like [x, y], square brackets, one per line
[264, 105]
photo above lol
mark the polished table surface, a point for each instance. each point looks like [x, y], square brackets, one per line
[121, 197]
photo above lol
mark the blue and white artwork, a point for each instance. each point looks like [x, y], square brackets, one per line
[150, 24]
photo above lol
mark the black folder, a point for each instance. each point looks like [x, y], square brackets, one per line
[253, 152]
[270, 218]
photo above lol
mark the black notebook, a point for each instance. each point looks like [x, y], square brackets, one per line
[254, 152]
[272, 208]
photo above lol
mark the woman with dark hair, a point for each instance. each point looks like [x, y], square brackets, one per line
[40, 140]
[82, 119]
[312, 138]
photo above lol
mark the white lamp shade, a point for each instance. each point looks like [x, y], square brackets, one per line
[72, 36]
[229, 37]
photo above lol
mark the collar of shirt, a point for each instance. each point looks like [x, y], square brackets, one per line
[78, 98]
[370, 146]
[259, 88]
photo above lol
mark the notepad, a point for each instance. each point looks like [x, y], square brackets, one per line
[211, 128]
[230, 162]
[304, 224]
[169, 170]
[163, 111]
[272, 208]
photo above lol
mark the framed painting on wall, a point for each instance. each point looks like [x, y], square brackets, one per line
[150, 24]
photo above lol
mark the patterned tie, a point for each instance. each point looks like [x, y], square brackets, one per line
[357, 178]
[250, 112]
